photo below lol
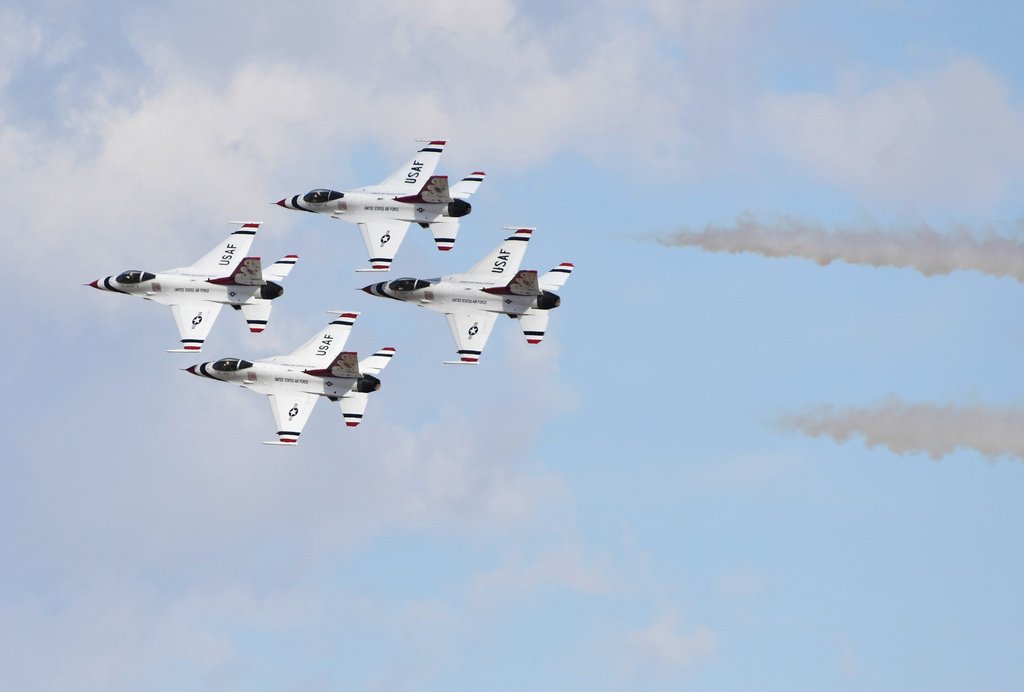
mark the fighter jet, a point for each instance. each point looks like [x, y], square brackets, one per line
[223, 276]
[493, 286]
[412, 194]
[295, 382]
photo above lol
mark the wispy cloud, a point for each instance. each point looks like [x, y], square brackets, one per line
[919, 247]
[663, 644]
[913, 428]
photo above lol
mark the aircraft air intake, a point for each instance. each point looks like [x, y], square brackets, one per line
[458, 207]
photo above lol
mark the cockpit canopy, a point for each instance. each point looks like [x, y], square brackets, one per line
[134, 276]
[321, 196]
[407, 284]
[231, 364]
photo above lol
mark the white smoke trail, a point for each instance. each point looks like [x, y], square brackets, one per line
[920, 247]
[910, 428]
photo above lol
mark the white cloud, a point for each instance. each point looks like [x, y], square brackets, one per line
[663, 645]
[20, 41]
[951, 137]
[561, 569]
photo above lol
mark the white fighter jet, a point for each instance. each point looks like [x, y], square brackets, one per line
[412, 194]
[493, 286]
[295, 382]
[223, 276]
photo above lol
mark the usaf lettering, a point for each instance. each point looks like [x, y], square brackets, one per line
[414, 172]
[499, 264]
[325, 344]
[229, 253]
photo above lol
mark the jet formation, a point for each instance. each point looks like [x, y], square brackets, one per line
[320, 368]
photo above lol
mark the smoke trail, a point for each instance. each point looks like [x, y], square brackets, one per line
[909, 428]
[921, 247]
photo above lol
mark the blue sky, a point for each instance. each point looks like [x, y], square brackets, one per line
[720, 471]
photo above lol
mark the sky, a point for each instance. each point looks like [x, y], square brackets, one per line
[772, 440]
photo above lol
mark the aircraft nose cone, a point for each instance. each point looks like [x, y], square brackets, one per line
[367, 289]
[94, 284]
[191, 369]
[281, 204]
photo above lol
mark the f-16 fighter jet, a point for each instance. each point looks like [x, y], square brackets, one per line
[412, 194]
[493, 286]
[223, 276]
[294, 383]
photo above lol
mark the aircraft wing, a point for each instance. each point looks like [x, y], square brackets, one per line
[408, 179]
[321, 350]
[291, 411]
[222, 259]
[382, 240]
[503, 262]
[194, 322]
[470, 330]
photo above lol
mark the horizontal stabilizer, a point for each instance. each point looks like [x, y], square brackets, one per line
[353, 405]
[280, 269]
[444, 234]
[556, 278]
[465, 188]
[534, 325]
[372, 365]
[256, 315]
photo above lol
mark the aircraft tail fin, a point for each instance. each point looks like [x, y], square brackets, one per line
[434, 191]
[344, 365]
[249, 272]
[524, 283]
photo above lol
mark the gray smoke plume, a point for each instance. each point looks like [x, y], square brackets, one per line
[908, 428]
[920, 247]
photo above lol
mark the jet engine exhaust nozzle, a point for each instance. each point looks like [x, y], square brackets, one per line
[367, 384]
[548, 301]
[271, 290]
[458, 207]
